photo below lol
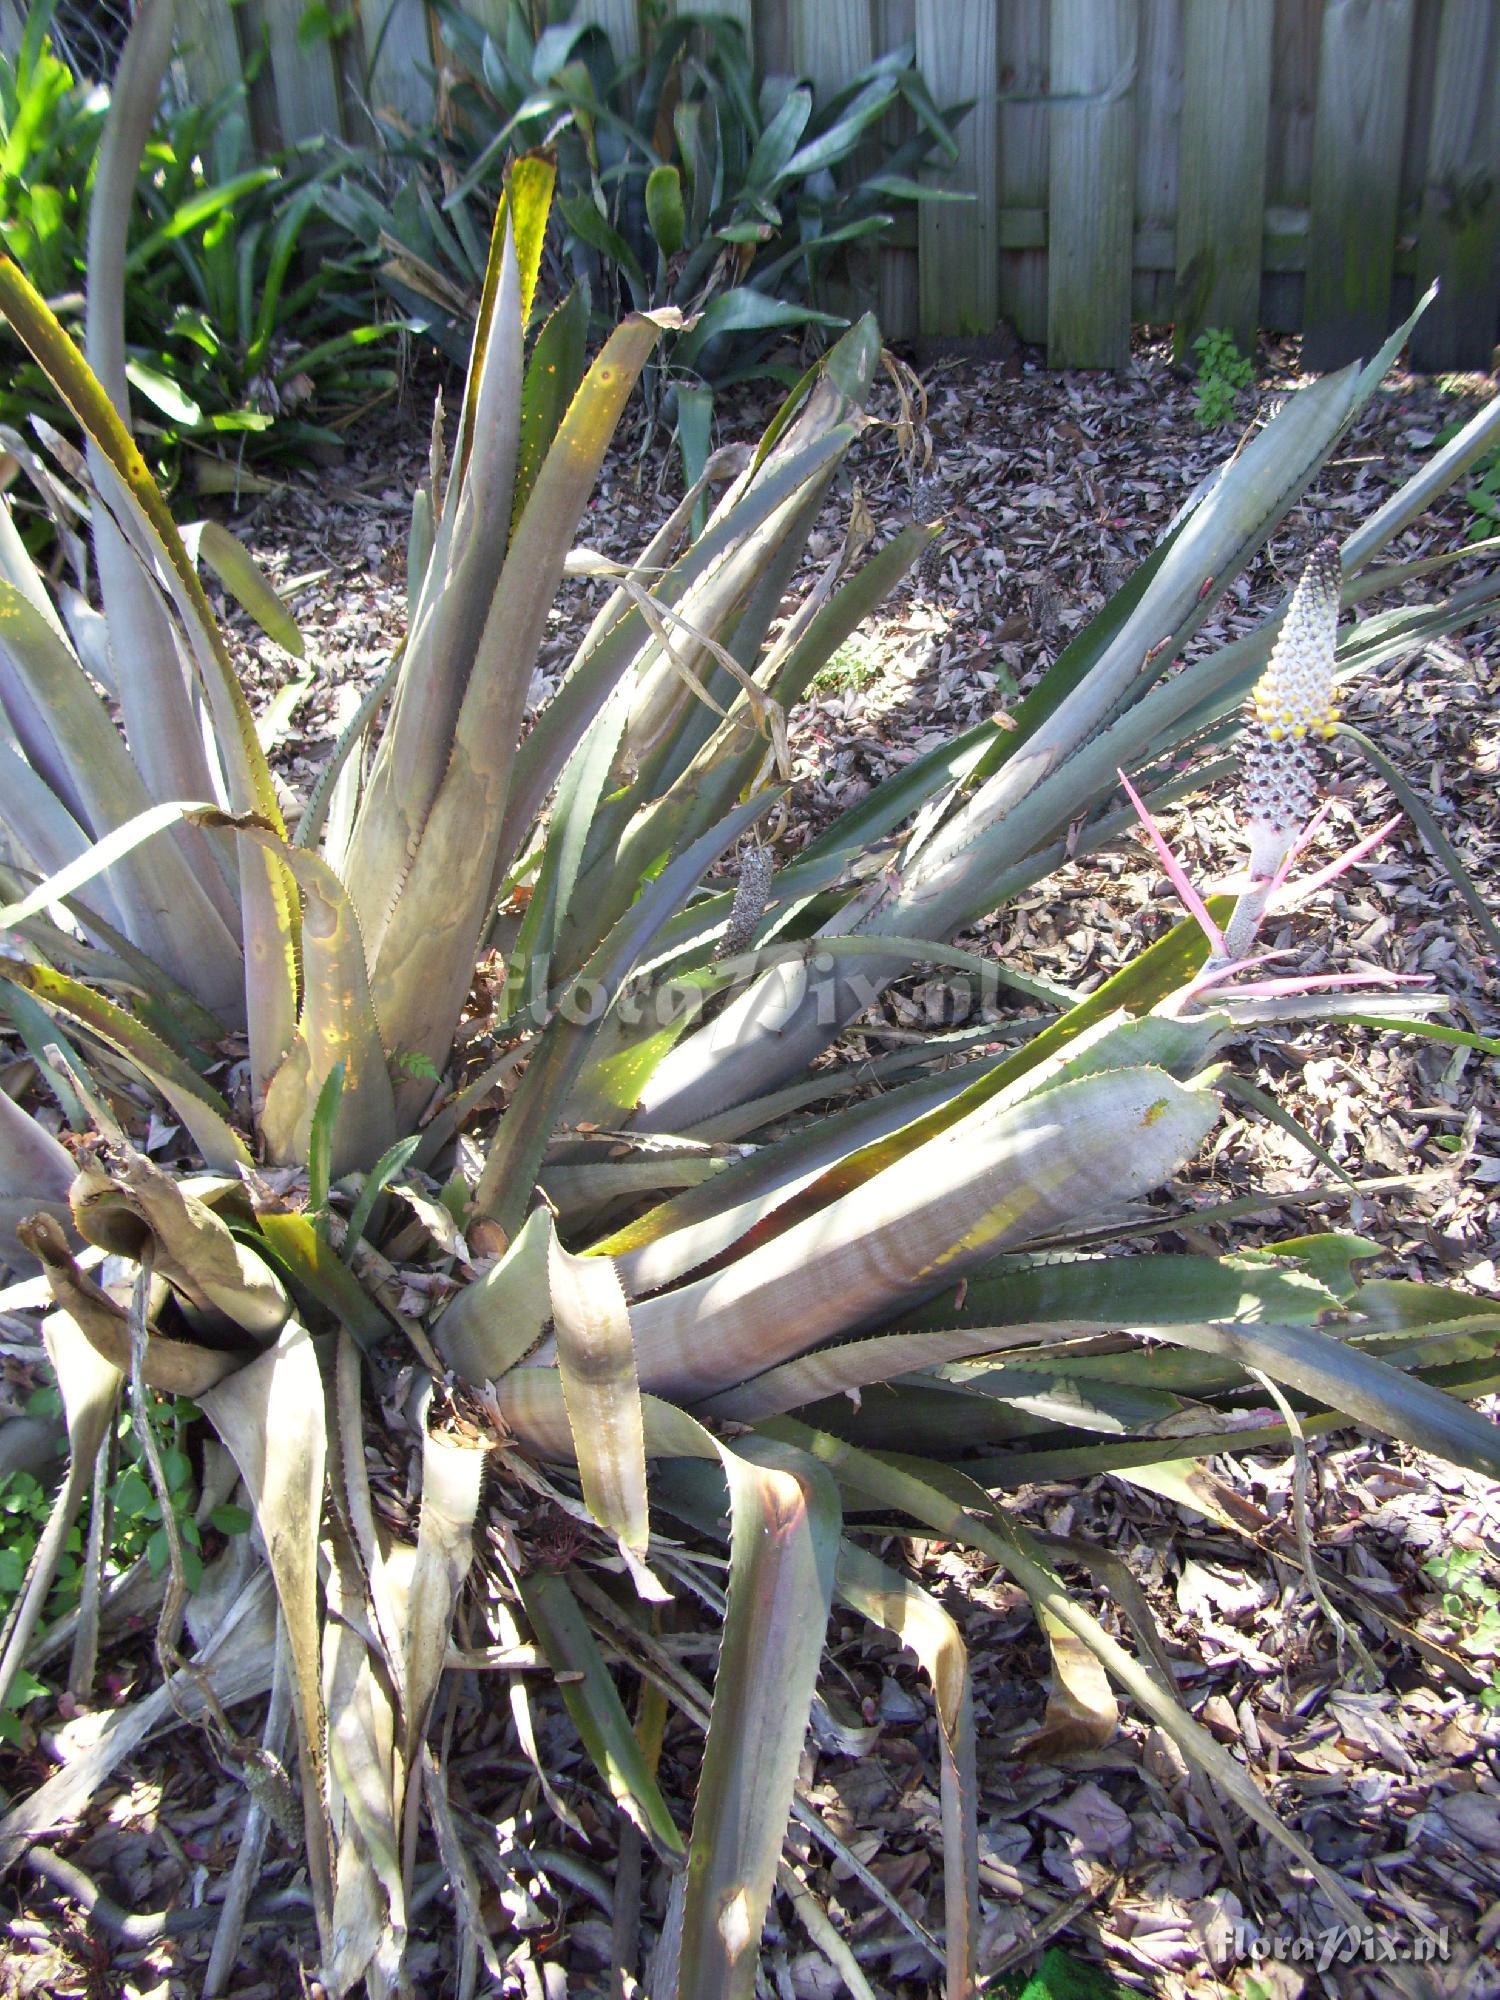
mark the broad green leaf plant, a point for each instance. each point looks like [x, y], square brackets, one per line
[686, 179]
[459, 1113]
[252, 332]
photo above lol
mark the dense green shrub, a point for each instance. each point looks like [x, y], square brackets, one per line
[684, 180]
[246, 339]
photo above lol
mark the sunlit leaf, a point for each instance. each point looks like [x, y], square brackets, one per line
[785, 1523]
[596, 1360]
[270, 1416]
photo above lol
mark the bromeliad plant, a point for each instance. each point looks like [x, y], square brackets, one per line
[257, 333]
[684, 180]
[493, 1112]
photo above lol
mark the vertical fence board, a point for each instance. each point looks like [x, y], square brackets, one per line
[490, 14]
[1158, 123]
[1091, 182]
[397, 51]
[1222, 167]
[773, 36]
[619, 19]
[831, 41]
[260, 89]
[1356, 179]
[895, 24]
[742, 11]
[1295, 49]
[1237, 161]
[302, 98]
[1421, 78]
[207, 47]
[957, 241]
[1024, 152]
[1459, 240]
[1426, 24]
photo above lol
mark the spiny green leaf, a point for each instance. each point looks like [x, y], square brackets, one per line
[324, 1118]
[552, 377]
[529, 192]
[385, 1170]
[318, 1276]
[200, 1108]
[590, 1697]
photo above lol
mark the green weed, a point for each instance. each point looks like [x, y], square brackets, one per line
[1222, 372]
[1059, 1976]
[856, 664]
[136, 1526]
[1471, 1604]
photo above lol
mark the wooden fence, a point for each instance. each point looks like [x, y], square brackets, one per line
[1276, 163]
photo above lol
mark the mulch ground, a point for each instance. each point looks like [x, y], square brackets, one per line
[1372, 1737]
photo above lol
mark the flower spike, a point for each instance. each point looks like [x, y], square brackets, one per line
[1294, 709]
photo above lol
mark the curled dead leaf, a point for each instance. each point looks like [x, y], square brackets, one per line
[173, 1367]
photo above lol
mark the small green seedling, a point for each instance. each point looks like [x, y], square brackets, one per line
[1222, 372]
[1483, 500]
[1059, 1976]
[856, 664]
[136, 1528]
[1471, 1604]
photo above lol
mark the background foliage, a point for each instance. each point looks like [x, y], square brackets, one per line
[684, 179]
[251, 328]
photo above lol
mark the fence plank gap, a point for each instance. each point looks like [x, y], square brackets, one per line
[773, 37]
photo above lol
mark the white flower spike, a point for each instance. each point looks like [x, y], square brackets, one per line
[1295, 708]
